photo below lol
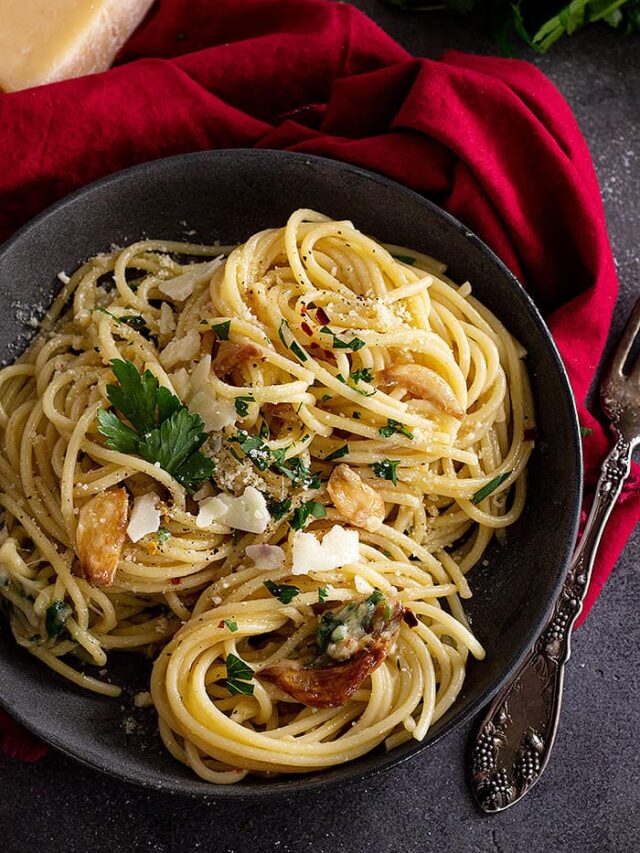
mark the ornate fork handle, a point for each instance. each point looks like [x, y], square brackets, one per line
[515, 739]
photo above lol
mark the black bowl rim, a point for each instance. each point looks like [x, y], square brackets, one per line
[377, 763]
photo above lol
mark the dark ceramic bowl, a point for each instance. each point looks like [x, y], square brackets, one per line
[229, 195]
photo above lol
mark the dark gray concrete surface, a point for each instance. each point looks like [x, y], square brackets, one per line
[589, 798]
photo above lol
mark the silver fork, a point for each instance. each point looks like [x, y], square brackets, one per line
[513, 744]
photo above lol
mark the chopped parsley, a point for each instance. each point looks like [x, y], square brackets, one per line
[354, 344]
[222, 330]
[56, 618]
[242, 405]
[361, 374]
[323, 593]
[278, 509]
[386, 469]
[585, 431]
[162, 535]
[264, 431]
[284, 592]
[337, 454]
[405, 259]
[393, 427]
[295, 469]
[254, 447]
[325, 397]
[239, 676]
[163, 431]
[231, 625]
[356, 415]
[294, 346]
[302, 514]
[490, 487]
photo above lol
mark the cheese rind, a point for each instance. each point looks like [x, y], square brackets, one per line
[42, 41]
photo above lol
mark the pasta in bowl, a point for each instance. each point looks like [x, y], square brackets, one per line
[272, 465]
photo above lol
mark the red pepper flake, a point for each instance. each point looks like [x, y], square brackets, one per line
[530, 434]
[321, 317]
[410, 618]
[176, 581]
[306, 328]
[304, 309]
[221, 623]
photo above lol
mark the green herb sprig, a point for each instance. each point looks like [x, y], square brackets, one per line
[239, 676]
[163, 431]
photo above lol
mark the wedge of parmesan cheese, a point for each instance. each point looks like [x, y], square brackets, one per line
[42, 41]
[338, 548]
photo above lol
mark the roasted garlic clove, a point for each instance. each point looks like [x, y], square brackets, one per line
[425, 384]
[354, 499]
[102, 523]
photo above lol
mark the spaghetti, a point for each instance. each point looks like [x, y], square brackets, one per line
[271, 467]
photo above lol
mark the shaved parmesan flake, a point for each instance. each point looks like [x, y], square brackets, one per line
[180, 382]
[182, 286]
[338, 548]
[215, 413]
[200, 376]
[265, 556]
[180, 349]
[248, 512]
[211, 509]
[145, 517]
[167, 320]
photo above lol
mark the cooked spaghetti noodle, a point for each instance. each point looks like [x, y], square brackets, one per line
[366, 425]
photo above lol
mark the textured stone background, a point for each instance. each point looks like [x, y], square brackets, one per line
[588, 799]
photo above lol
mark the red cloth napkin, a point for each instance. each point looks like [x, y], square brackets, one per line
[490, 140]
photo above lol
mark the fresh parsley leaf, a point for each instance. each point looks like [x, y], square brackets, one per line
[119, 436]
[279, 508]
[326, 397]
[165, 432]
[302, 513]
[386, 469]
[242, 407]
[284, 592]
[56, 618]
[162, 535]
[356, 416]
[231, 625]
[393, 427]
[405, 259]
[585, 431]
[264, 431]
[239, 676]
[337, 454]
[490, 487]
[136, 397]
[361, 374]
[222, 330]
[323, 593]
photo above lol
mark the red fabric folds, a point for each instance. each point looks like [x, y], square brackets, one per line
[491, 140]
